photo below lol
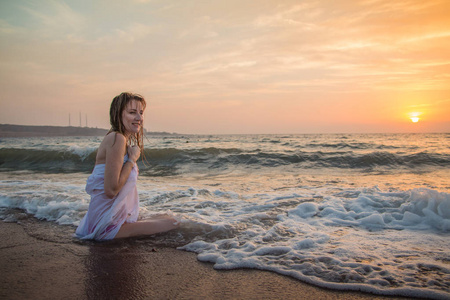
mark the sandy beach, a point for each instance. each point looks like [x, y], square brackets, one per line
[35, 268]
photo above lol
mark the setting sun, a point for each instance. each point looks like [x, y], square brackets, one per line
[415, 117]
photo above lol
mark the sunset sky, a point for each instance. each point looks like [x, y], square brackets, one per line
[247, 66]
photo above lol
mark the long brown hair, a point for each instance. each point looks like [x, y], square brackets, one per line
[118, 105]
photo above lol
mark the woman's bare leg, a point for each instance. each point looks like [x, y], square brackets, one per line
[148, 227]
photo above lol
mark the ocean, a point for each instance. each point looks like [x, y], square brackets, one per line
[366, 212]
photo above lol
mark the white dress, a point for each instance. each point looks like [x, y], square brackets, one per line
[106, 215]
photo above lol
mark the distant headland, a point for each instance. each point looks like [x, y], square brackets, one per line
[7, 130]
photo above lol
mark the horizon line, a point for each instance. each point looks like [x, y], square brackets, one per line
[176, 133]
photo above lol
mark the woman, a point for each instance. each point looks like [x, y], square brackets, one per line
[114, 206]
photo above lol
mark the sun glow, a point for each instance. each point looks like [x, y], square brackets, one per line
[415, 117]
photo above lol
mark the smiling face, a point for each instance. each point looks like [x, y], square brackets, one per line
[126, 117]
[133, 117]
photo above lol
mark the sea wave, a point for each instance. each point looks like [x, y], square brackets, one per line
[53, 161]
[168, 161]
[351, 145]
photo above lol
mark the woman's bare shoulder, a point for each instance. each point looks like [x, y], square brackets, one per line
[114, 139]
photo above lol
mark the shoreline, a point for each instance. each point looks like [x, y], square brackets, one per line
[40, 268]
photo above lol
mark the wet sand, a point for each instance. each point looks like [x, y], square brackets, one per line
[35, 268]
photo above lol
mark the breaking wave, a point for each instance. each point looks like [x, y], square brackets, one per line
[169, 161]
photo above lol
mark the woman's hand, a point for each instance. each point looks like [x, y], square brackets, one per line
[133, 152]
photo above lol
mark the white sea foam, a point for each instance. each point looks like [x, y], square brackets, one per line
[386, 243]
[82, 151]
[61, 202]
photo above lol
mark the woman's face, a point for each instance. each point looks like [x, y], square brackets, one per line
[133, 117]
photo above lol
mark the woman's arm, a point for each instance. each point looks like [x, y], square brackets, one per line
[116, 172]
